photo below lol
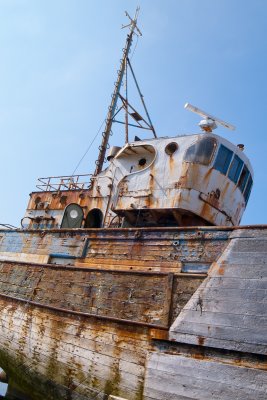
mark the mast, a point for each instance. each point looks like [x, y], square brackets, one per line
[111, 111]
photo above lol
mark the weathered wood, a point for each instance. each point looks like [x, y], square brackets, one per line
[125, 296]
[125, 274]
[35, 258]
[172, 376]
[228, 310]
[51, 341]
[159, 245]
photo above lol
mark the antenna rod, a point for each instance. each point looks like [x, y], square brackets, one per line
[113, 104]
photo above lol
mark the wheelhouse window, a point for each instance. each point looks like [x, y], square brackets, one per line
[248, 189]
[235, 169]
[201, 152]
[223, 159]
[243, 178]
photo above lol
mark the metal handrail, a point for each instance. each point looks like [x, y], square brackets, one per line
[8, 226]
[57, 183]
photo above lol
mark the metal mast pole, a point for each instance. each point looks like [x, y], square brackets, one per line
[112, 107]
[126, 109]
[142, 98]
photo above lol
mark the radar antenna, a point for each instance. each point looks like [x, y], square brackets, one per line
[209, 122]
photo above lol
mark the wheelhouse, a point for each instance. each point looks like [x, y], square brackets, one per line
[229, 162]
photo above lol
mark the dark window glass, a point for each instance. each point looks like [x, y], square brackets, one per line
[235, 169]
[201, 152]
[248, 189]
[243, 178]
[223, 159]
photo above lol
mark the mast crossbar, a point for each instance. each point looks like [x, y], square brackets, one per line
[126, 105]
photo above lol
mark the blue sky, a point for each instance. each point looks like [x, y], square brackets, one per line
[58, 65]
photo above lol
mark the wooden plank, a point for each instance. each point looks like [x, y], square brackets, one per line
[247, 258]
[238, 283]
[126, 296]
[100, 366]
[25, 257]
[230, 320]
[226, 311]
[169, 375]
[240, 270]
[226, 306]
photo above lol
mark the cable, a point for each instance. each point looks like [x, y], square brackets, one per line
[135, 47]
[88, 148]
[79, 163]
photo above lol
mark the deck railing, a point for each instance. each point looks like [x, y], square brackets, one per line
[7, 226]
[58, 183]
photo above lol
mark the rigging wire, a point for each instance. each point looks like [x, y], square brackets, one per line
[79, 163]
[135, 47]
[88, 148]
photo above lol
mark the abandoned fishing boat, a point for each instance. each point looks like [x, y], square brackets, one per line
[137, 282]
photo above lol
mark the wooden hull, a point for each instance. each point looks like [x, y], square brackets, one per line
[91, 314]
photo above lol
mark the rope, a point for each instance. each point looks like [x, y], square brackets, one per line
[88, 148]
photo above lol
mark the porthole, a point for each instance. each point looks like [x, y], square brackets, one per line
[142, 162]
[171, 148]
[74, 214]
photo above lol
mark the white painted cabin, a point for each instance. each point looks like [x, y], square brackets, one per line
[200, 179]
[189, 180]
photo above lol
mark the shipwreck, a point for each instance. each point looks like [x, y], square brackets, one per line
[137, 282]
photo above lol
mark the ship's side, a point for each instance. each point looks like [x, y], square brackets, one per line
[148, 313]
